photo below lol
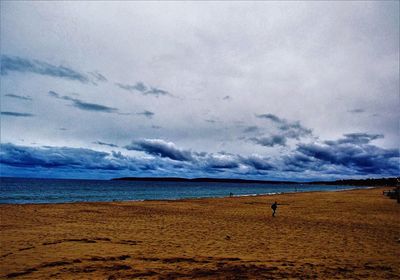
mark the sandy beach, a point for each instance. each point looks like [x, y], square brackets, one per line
[326, 235]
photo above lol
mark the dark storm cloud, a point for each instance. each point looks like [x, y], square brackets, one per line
[157, 92]
[289, 129]
[21, 97]
[251, 129]
[98, 76]
[286, 130]
[67, 159]
[54, 94]
[56, 157]
[357, 111]
[92, 106]
[199, 161]
[147, 114]
[196, 160]
[257, 163]
[143, 89]
[220, 161]
[139, 86]
[23, 65]
[270, 141]
[353, 152]
[161, 148]
[270, 117]
[105, 144]
[84, 105]
[355, 138]
[16, 114]
[299, 162]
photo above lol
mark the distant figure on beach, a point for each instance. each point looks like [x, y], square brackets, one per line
[273, 207]
[230, 194]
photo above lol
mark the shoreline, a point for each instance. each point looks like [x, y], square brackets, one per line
[209, 197]
[346, 234]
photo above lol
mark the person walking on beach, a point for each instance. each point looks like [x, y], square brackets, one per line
[273, 207]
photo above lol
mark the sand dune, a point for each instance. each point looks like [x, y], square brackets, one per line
[349, 235]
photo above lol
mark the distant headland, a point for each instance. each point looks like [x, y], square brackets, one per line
[394, 181]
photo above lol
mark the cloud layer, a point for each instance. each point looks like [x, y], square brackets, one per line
[266, 90]
[352, 155]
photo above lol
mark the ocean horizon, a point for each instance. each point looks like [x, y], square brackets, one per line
[39, 191]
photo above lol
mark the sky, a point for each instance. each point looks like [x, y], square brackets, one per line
[255, 90]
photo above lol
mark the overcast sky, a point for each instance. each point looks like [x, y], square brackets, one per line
[263, 90]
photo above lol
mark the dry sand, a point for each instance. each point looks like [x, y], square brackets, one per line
[351, 234]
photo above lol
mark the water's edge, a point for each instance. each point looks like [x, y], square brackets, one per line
[49, 191]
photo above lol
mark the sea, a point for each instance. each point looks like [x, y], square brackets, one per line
[33, 191]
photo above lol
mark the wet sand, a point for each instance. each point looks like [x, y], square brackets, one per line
[350, 235]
